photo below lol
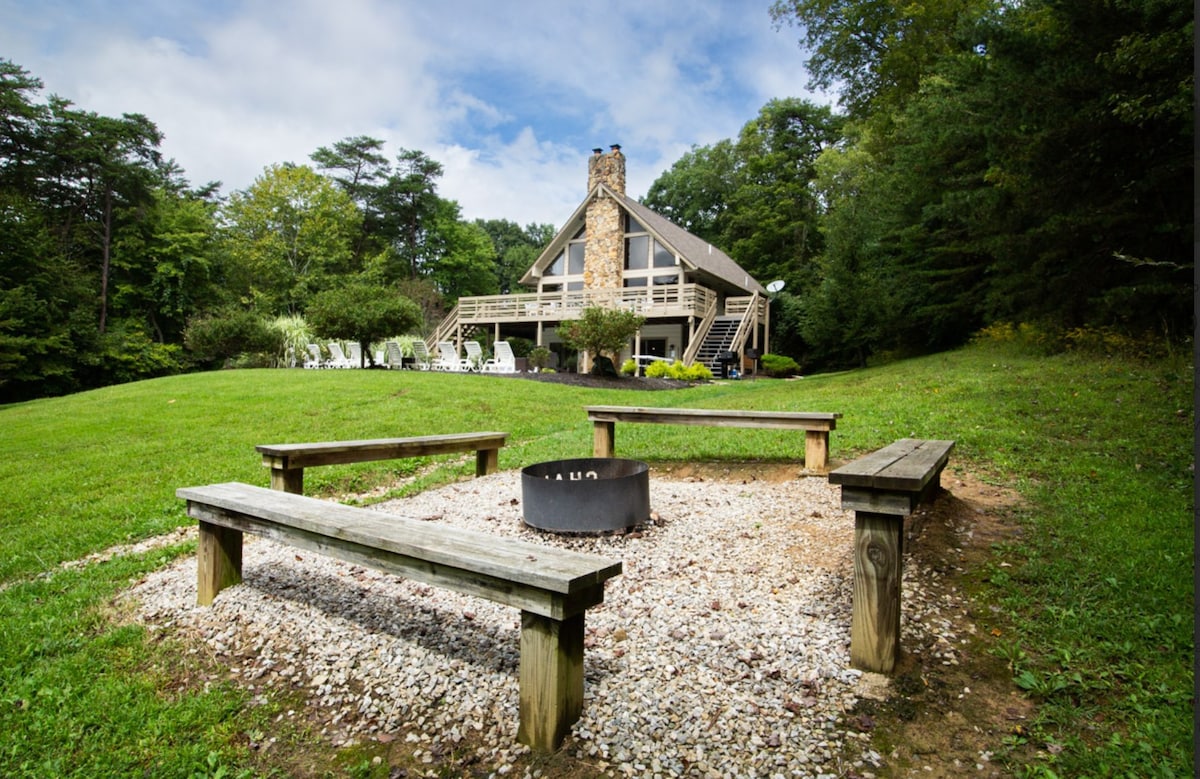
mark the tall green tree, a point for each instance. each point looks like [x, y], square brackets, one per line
[288, 236]
[875, 55]
[359, 167]
[409, 206]
[515, 249]
[695, 191]
[771, 224]
[465, 263]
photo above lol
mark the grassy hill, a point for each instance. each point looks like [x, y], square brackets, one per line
[1099, 594]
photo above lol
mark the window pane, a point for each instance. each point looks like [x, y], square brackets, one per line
[637, 252]
[579, 236]
[636, 281]
[552, 288]
[660, 281]
[574, 285]
[634, 226]
[555, 268]
[662, 257]
[575, 261]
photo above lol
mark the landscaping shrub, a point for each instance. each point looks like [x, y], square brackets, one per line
[778, 365]
[661, 369]
[539, 358]
[216, 338]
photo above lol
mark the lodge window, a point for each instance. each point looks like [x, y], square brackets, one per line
[643, 255]
[567, 267]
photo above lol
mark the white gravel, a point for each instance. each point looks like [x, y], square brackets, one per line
[722, 650]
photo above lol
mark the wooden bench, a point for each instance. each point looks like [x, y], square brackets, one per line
[552, 587]
[882, 489]
[816, 426]
[288, 461]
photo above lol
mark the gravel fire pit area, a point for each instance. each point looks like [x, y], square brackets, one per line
[722, 650]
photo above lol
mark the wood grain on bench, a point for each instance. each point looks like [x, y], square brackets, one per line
[552, 587]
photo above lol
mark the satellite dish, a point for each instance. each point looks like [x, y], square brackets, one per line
[775, 286]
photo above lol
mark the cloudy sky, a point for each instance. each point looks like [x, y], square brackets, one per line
[509, 96]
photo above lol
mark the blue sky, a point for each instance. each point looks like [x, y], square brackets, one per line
[509, 96]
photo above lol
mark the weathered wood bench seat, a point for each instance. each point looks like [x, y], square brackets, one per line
[288, 461]
[816, 425]
[882, 489]
[552, 587]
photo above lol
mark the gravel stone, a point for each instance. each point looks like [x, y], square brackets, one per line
[722, 650]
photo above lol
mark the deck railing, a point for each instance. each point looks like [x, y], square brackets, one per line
[690, 299]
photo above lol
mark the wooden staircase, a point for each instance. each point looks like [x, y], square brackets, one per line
[718, 340]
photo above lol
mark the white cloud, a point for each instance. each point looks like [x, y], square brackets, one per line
[509, 98]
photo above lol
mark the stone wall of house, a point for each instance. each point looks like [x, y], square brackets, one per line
[604, 252]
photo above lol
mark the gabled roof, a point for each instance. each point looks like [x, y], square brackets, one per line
[696, 254]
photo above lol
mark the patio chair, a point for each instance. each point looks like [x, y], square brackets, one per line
[314, 359]
[338, 358]
[356, 355]
[421, 355]
[394, 355]
[503, 360]
[448, 359]
[474, 355]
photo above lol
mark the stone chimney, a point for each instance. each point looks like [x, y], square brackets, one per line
[604, 252]
[607, 169]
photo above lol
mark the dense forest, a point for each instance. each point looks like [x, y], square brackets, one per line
[994, 164]
[988, 164]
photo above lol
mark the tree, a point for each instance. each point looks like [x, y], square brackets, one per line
[364, 313]
[600, 332]
[876, 54]
[515, 249]
[358, 166]
[288, 236]
[109, 170]
[408, 208]
[695, 192]
[771, 224]
[466, 262]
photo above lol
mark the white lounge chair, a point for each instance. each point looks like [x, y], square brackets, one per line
[355, 355]
[394, 355]
[448, 359]
[314, 359]
[338, 358]
[474, 355]
[503, 360]
[421, 354]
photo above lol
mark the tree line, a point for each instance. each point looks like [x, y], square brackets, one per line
[990, 163]
[993, 162]
[110, 261]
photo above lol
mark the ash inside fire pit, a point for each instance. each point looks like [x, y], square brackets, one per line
[587, 495]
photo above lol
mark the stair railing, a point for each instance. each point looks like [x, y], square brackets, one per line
[747, 325]
[710, 316]
[443, 331]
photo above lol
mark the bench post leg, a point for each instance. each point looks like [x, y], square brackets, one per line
[604, 439]
[816, 449]
[288, 480]
[875, 621]
[218, 561]
[551, 679]
[486, 461]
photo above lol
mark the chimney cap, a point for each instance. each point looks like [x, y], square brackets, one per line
[597, 150]
[615, 147]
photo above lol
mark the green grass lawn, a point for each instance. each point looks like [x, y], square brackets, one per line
[1099, 596]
